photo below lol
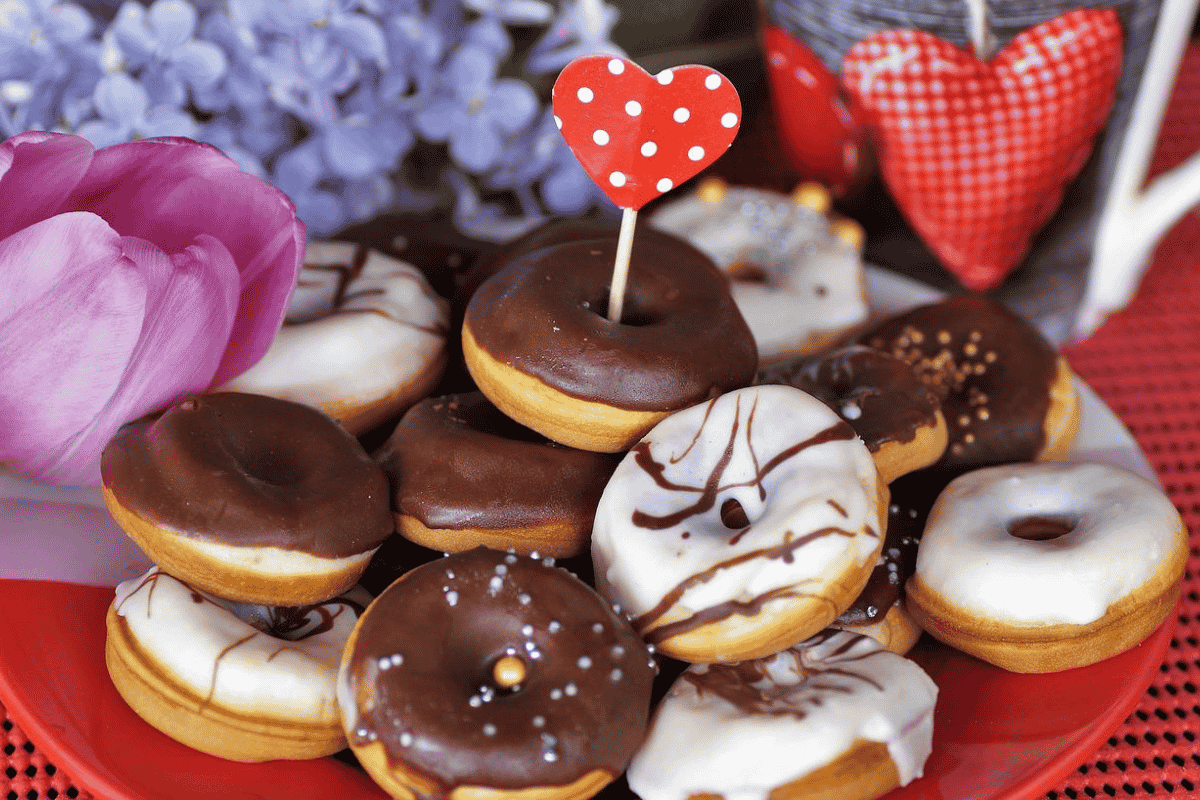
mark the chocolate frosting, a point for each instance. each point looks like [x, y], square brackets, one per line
[458, 462]
[876, 392]
[251, 471]
[421, 668]
[991, 369]
[681, 339]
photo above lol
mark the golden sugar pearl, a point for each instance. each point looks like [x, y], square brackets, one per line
[943, 337]
[964, 420]
[970, 349]
[990, 356]
[969, 438]
[983, 414]
[975, 336]
[812, 195]
[849, 232]
[508, 672]
[711, 190]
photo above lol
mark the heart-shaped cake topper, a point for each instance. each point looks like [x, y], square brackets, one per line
[639, 135]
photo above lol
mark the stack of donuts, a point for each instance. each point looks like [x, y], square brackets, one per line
[769, 536]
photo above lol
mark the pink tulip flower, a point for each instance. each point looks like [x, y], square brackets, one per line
[133, 276]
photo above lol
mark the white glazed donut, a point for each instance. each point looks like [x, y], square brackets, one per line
[797, 278]
[740, 526]
[365, 337]
[1047, 566]
[191, 667]
[835, 716]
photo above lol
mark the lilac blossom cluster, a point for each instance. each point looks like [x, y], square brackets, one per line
[352, 107]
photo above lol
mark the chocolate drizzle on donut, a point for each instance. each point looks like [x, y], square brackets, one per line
[422, 672]
[681, 341]
[755, 687]
[708, 493]
[251, 471]
[991, 369]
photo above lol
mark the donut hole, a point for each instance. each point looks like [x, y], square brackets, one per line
[634, 314]
[1042, 528]
[266, 466]
[733, 515]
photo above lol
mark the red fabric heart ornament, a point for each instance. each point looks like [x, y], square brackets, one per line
[819, 132]
[978, 154]
[639, 135]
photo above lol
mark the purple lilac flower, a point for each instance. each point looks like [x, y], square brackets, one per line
[158, 44]
[126, 113]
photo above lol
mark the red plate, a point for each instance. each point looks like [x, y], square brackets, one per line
[997, 735]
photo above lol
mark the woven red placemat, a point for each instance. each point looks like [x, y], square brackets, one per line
[1145, 363]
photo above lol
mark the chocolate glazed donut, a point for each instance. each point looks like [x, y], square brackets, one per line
[538, 343]
[503, 486]
[492, 674]
[251, 498]
[1006, 394]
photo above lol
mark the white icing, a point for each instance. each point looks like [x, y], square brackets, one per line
[1125, 529]
[814, 280]
[228, 662]
[830, 485]
[819, 698]
[388, 329]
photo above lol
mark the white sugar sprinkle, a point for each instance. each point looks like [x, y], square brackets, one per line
[600, 137]
[452, 598]
[496, 584]
[712, 82]
[585, 94]
[851, 411]
[511, 558]
[616, 66]
[527, 630]
[501, 569]
[475, 701]
[450, 574]
[539, 721]
[555, 626]
[665, 77]
[584, 662]
[633, 108]
[489, 729]
[556, 694]
[524, 599]
[617, 179]
[615, 675]
[571, 689]
[695, 152]
[597, 627]
[406, 739]
[618, 651]
[728, 119]
[550, 756]
[681, 114]
[664, 184]
[649, 149]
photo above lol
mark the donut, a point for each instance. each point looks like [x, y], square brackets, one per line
[250, 498]
[898, 415]
[837, 716]
[797, 276]
[365, 337]
[243, 683]
[740, 526]
[491, 675]
[463, 474]
[881, 609]
[1048, 566]
[1007, 395]
[537, 342]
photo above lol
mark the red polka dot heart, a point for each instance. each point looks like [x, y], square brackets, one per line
[639, 135]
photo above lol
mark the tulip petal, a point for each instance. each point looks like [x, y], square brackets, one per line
[38, 172]
[172, 191]
[73, 292]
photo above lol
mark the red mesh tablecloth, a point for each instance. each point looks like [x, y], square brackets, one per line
[1145, 363]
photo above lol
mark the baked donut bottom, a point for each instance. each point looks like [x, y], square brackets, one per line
[1052, 648]
[778, 623]
[241, 574]
[405, 784]
[556, 539]
[147, 686]
[897, 630]
[358, 418]
[863, 772]
[583, 424]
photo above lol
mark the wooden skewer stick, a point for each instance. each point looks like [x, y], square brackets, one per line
[616, 293]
